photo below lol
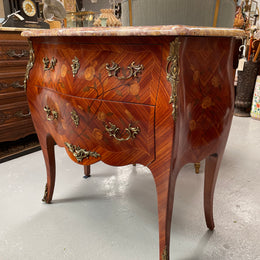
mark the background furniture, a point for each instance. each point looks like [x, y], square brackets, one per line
[104, 94]
[15, 118]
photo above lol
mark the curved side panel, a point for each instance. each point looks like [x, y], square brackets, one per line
[205, 97]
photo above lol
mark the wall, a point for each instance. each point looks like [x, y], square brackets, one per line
[2, 14]
[186, 12]
[101, 4]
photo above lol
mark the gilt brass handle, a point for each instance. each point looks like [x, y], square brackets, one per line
[49, 65]
[51, 115]
[16, 84]
[21, 114]
[114, 69]
[80, 153]
[14, 54]
[129, 132]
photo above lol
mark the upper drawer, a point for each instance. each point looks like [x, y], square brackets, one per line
[118, 72]
[13, 51]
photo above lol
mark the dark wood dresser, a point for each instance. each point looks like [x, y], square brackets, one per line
[159, 96]
[15, 118]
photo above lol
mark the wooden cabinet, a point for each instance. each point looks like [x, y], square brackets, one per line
[15, 118]
[158, 96]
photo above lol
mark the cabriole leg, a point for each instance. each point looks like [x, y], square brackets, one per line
[47, 144]
[165, 185]
[212, 165]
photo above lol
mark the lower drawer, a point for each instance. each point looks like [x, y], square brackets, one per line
[11, 82]
[16, 130]
[113, 131]
[14, 112]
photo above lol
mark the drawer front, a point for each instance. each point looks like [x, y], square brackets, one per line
[11, 82]
[16, 130]
[128, 73]
[113, 130]
[12, 98]
[14, 51]
[14, 112]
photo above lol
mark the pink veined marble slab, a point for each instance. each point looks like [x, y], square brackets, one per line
[167, 30]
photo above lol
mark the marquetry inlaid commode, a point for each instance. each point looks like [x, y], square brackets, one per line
[15, 118]
[158, 96]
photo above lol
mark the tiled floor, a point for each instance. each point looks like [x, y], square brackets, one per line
[113, 214]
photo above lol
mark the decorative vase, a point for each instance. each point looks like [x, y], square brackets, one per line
[108, 15]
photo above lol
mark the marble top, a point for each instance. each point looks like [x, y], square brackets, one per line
[166, 30]
[13, 29]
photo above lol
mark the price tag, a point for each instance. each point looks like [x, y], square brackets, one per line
[241, 64]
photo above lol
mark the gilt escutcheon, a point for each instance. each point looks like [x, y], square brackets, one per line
[75, 117]
[75, 66]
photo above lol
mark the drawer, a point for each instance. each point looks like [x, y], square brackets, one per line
[112, 129]
[14, 51]
[16, 130]
[11, 82]
[109, 72]
[14, 112]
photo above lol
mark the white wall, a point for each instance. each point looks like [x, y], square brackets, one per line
[101, 4]
[185, 12]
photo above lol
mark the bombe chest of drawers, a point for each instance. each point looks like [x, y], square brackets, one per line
[158, 96]
[15, 118]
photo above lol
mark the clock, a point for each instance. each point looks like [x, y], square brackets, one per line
[29, 8]
[25, 14]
